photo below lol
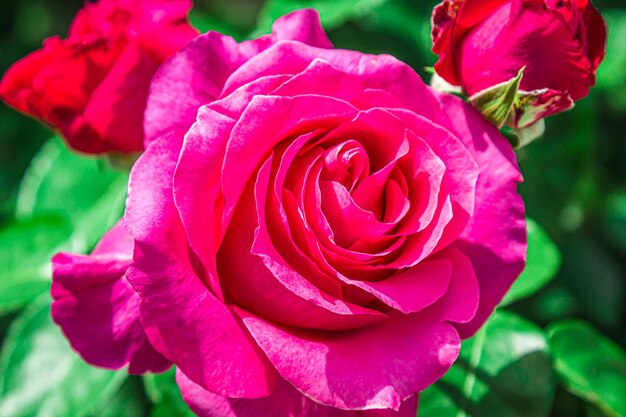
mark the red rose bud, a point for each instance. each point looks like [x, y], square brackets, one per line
[93, 85]
[559, 43]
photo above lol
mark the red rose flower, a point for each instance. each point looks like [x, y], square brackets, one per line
[93, 85]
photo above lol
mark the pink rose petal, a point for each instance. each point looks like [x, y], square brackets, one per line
[285, 401]
[98, 310]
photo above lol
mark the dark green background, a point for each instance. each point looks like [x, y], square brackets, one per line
[575, 175]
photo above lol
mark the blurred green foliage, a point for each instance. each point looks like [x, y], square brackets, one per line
[575, 190]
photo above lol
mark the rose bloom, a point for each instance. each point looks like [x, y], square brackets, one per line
[93, 85]
[559, 42]
[315, 230]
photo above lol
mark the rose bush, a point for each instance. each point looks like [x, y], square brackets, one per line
[314, 230]
[93, 85]
[559, 42]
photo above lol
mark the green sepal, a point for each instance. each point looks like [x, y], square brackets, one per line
[496, 102]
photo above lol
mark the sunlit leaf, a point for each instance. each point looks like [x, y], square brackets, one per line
[129, 401]
[42, 376]
[27, 246]
[590, 365]
[504, 371]
[86, 190]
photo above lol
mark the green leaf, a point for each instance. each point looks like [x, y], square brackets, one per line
[165, 394]
[543, 261]
[332, 13]
[129, 401]
[590, 365]
[205, 22]
[496, 102]
[84, 189]
[596, 278]
[42, 376]
[504, 371]
[27, 246]
[553, 303]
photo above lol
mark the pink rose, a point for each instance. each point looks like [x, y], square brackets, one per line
[315, 229]
[559, 42]
[93, 85]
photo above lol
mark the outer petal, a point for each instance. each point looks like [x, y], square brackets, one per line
[495, 238]
[451, 21]
[196, 75]
[357, 370]
[98, 310]
[285, 401]
[462, 297]
[162, 27]
[382, 72]
[301, 25]
[183, 319]
[196, 184]
[596, 35]
[192, 77]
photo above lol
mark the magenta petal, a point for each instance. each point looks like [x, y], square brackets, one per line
[495, 238]
[347, 219]
[460, 302]
[198, 172]
[267, 285]
[98, 310]
[461, 168]
[323, 79]
[411, 290]
[382, 72]
[192, 77]
[302, 26]
[264, 123]
[196, 184]
[357, 370]
[285, 401]
[196, 75]
[183, 319]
